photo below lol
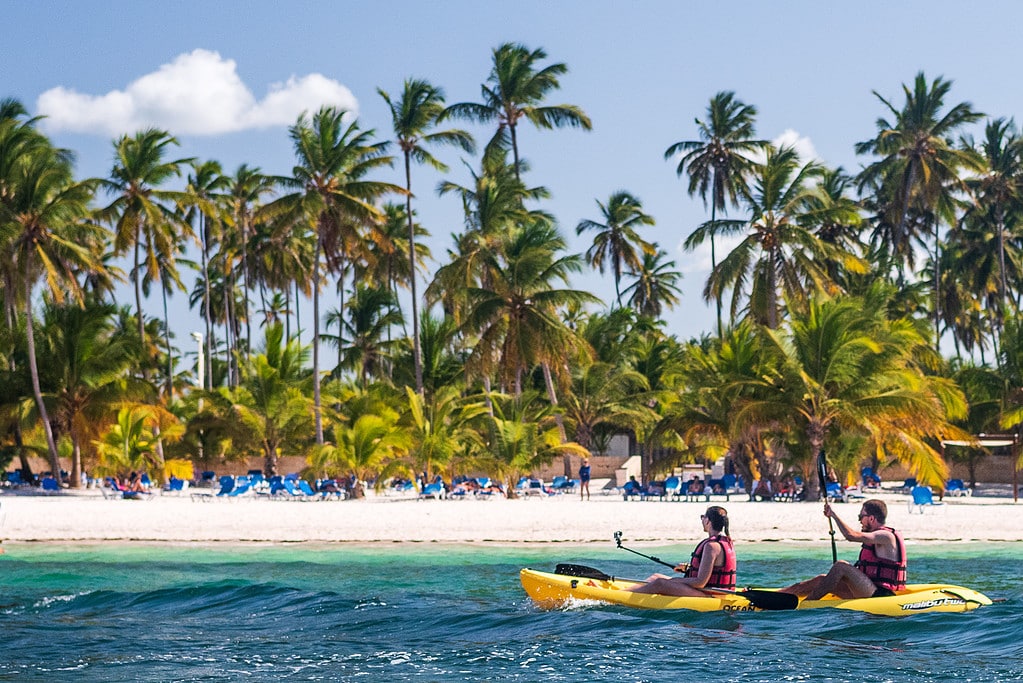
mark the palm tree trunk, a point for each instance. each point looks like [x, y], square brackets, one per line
[167, 341]
[713, 255]
[33, 369]
[316, 344]
[138, 304]
[553, 397]
[417, 359]
[76, 463]
[207, 315]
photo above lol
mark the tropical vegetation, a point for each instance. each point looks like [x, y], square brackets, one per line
[840, 289]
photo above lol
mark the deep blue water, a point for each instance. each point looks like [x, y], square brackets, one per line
[447, 613]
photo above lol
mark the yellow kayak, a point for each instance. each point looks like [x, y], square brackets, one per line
[552, 591]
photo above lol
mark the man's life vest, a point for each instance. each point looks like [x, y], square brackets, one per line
[720, 577]
[883, 572]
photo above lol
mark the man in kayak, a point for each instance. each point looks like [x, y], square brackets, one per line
[712, 564]
[880, 569]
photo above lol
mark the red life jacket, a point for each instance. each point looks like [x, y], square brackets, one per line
[883, 572]
[720, 577]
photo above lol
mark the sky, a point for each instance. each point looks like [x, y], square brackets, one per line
[228, 78]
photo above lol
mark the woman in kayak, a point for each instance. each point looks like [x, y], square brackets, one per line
[712, 564]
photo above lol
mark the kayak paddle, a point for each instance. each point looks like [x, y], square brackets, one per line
[822, 473]
[761, 599]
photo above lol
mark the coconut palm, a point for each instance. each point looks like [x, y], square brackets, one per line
[144, 216]
[617, 240]
[413, 118]
[720, 161]
[848, 371]
[203, 193]
[362, 343]
[780, 254]
[997, 205]
[271, 405]
[919, 162]
[47, 236]
[245, 193]
[655, 287]
[442, 428]
[521, 437]
[514, 310]
[332, 196]
[85, 360]
[129, 444]
[515, 89]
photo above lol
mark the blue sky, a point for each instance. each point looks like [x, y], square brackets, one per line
[228, 78]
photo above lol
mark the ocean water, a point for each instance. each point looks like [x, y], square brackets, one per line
[423, 612]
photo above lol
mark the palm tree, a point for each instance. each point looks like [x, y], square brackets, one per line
[514, 90]
[143, 216]
[203, 194]
[780, 254]
[362, 342]
[616, 240]
[413, 117]
[85, 359]
[655, 287]
[846, 371]
[920, 163]
[996, 208]
[270, 408]
[719, 162]
[442, 428]
[247, 188]
[47, 236]
[128, 445]
[332, 197]
[514, 309]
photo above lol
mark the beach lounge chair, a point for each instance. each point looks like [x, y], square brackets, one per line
[227, 484]
[434, 491]
[175, 486]
[835, 493]
[717, 487]
[956, 487]
[673, 488]
[907, 486]
[536, 489]
[868, 479]
[632, 489]
[50, 485]
[921, 498]
[14, 479]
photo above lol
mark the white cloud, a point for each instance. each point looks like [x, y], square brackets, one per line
[199, 93]
[802, 144]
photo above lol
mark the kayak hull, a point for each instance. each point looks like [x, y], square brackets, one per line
[553, 591]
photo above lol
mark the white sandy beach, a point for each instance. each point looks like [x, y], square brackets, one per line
[559, 519]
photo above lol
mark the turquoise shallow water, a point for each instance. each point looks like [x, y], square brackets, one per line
[416, 612]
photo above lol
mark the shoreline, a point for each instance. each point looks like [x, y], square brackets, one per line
[559, 520]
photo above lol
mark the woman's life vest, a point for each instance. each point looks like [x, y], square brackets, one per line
[720, 577]
[883, 572]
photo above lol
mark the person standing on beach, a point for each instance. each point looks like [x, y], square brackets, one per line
[712, 564]
[584, 479]
[880, 569]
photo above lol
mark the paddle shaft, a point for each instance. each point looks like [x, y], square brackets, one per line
[822, 473]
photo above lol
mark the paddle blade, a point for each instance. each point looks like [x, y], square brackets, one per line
[582, 572]
[770, 600]
[822, 472]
